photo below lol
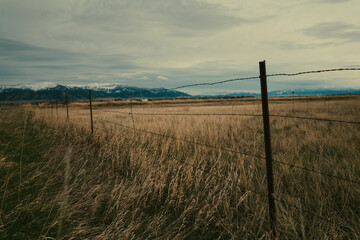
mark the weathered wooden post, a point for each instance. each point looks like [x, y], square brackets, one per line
[57, 111]
[293, 101]
[91, 115]
[67, 108]
[267, 139]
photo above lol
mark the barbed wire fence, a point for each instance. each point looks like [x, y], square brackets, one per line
[269, 160]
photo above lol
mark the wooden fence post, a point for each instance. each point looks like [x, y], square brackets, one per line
[267, 139]
[307, 104]
[57, 110]
[67, 108]
[91, 115]
[293, 101]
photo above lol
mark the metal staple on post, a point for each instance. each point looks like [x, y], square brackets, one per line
[267, 139]
[91, 115]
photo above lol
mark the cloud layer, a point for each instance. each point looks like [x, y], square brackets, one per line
[168, 43]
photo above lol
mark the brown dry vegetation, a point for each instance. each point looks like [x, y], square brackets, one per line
[124, 184]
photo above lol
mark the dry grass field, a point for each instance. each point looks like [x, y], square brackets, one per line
[172, 170]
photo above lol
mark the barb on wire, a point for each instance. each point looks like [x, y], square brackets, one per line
[184, 140]
[313, 118]
[315, 71]
[317, 172]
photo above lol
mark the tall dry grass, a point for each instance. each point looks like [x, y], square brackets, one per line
[126, 184]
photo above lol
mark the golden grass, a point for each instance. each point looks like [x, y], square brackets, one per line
[127, 184]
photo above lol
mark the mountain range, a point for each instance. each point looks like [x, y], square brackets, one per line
[49, 91]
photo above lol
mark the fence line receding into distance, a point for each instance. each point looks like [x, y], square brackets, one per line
[267, 139]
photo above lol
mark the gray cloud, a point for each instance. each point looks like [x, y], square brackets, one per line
[20, 60]
[176, 17]
[335, 30]
[22, 52]
[7, 45]
[292, 45]
[8, 71]
[333, 1]
[197, 16]
[19, 51]
[186, 41]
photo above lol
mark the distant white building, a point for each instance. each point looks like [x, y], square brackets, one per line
[144, 100]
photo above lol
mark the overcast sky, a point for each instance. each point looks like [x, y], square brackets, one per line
[166, 43]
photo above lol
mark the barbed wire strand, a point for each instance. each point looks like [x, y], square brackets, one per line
[289, 164]
[196, 167]
[314, 71]
[184, 140]
[246, 154]
[258, 193]
[247, 188]
[192, 85]
[211, 173]
[183, 114]
[78, 113]
[315, 119]
[315, 171]
[274, 160]
[108, 111]
[239, 79]
[215, 83]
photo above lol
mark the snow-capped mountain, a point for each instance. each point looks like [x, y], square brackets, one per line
[49, 91]
[32, 86]
[100, 86]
